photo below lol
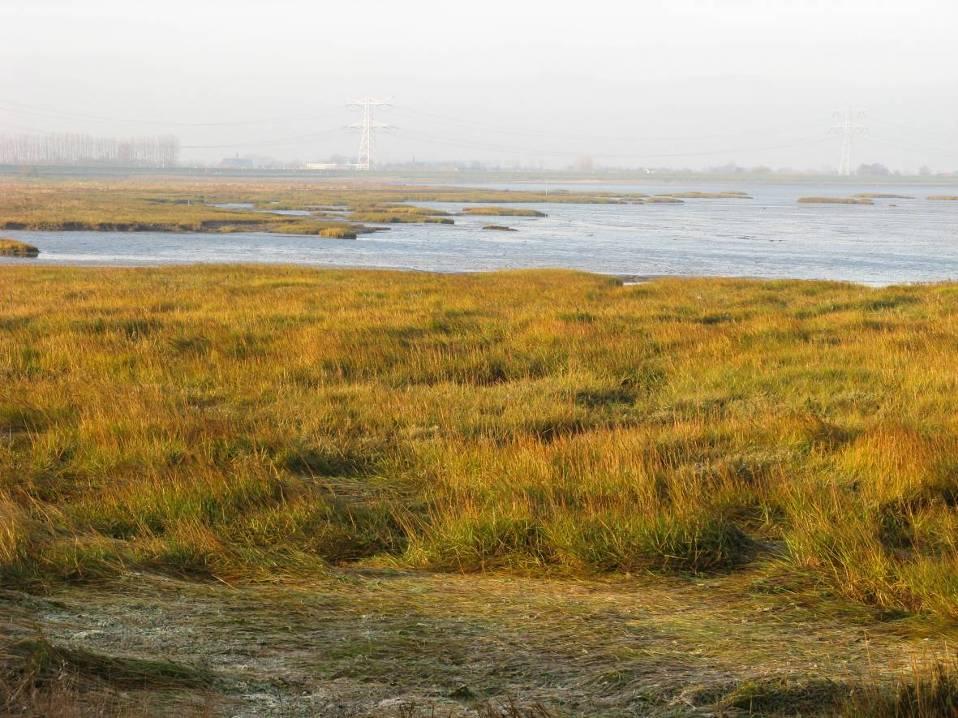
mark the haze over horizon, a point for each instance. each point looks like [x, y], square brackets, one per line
[681, 83]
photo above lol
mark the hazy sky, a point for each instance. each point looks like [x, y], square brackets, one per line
[683, 83]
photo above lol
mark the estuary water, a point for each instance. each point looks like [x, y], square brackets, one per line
[769, 236]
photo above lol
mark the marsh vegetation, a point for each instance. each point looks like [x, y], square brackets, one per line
[503, 212]
[327, 210]
[707, 195]
[247, 422]
[735, 496]
[663, 199]
[14, 248]
[883, 195]
[836, 200]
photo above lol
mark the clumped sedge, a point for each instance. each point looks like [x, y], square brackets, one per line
[15, 248]
[245, 422]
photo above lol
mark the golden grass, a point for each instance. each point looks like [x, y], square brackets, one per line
[337, 233]
[708, 195]
[882, 195]
[944, 197]
[503, 212]
[663, 199]
[142, 207]
[262, 422]
[929, 691]
[14, 248]
[191, 206]
[399, 213]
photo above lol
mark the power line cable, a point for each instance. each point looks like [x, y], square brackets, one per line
[34, 110]
[274, 142]
[434, 139]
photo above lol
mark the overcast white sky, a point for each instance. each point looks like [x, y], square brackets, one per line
[684, 83]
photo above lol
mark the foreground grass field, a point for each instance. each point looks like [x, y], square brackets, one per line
[279, 425]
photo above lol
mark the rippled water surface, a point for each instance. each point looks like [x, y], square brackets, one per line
[897, 240]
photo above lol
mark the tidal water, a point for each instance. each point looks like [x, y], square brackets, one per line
[771, 236]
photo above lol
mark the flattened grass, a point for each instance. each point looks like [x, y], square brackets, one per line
[40, 678]
[243, 422]
[40, 660]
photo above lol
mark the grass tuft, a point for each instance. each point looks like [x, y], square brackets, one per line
[15, 248]
[930, 691]
[252, 422]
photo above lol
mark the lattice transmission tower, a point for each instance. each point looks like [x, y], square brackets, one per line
[848, 125]
[367, 127]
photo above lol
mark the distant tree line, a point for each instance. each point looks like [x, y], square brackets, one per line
[77, 149]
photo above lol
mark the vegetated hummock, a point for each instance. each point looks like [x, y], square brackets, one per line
[708, 195]
[882, 195]
[836, 200]
[499, 228]
[944, 197]
[399, 213]
[337, 233]
[15, 248]
[503, 212]
[271, 424]
[662, 199]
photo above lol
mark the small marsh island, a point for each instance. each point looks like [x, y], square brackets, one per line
[15, 248]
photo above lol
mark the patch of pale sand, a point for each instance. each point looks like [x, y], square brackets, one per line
[382, 642]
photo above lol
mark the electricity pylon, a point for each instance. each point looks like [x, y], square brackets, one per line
[848, 125]
[367, 127]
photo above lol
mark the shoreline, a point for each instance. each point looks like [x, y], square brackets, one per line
[626, 279]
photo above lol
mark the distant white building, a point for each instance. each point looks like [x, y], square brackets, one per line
[325, 166]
